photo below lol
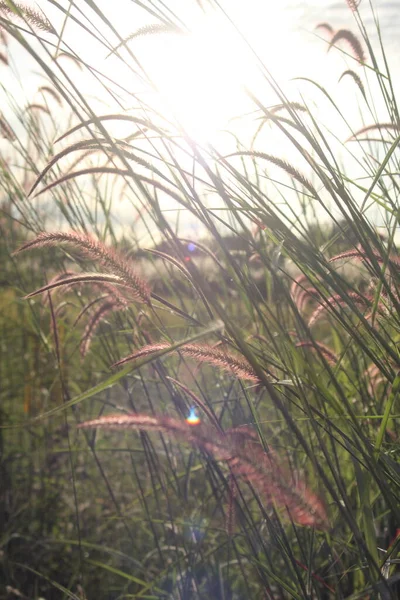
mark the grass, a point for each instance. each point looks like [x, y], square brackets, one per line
[185, 418]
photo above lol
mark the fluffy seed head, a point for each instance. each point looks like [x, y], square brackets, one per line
[96, 251]
[202, 353]
[245, 456]
[352, 40]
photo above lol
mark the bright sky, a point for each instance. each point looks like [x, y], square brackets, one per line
[201, 76]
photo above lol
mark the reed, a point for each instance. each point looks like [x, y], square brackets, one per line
[197, 415]
[352, 40]
[97, 251]
[243, 453]
[201, 353]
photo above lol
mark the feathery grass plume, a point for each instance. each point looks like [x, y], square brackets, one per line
[288, 106]
[201, 353]
[39, 107]
[98, 144]
[393, 261]
[353, 4]
[378, 126]
[80, 279]
[352, 40]
[338, 300]
[112, 171]
[301, 294]
[96, 251]
[37, 19]
[306, 296]
[272, 479]
[95, 319]
[326, 27]
[34, 17]
[271, 115]
[88, 306]
[91, 144]
[103, 286]
[3, 58]
[245, 456]
[330, 356]
[356, 78]
[71, 58]
[298, 286]
[59, 277]
[141, 123]
[290, 170]
[6, 131]
[153, 29]
[60, 308]
[45, 89]
[76, 162]
[201, 435]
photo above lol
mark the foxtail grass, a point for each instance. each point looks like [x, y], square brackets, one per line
[208, 414]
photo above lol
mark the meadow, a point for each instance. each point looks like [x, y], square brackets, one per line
[197, 416]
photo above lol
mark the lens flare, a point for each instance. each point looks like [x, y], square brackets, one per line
[193, 418]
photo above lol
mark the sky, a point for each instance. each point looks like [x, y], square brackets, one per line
[214, 61]
[202, 77]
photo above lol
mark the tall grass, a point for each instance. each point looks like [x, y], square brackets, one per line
[186, 418]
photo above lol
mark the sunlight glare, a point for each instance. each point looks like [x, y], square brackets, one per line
[200, 76]
[193, 418]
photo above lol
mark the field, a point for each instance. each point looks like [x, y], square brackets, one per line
[199, 340]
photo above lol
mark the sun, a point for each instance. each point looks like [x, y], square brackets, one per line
[198, 78]
[200, 75]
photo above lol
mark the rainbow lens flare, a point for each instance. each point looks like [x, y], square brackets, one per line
[193, 418]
